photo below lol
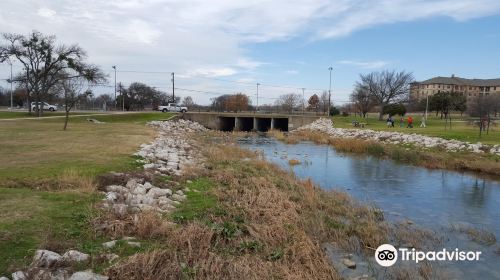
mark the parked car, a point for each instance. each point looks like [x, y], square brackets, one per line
[171, 107]
[44, 106]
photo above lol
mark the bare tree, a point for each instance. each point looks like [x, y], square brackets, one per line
[386, 87]
[313, 103]
[362, 100]
[288, 102]
[484, 107]
[72, 91]
[188, 102]
[44, 63]
[323, 102]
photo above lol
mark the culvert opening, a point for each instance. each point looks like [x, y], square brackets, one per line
[226, 123]
[263, 124]
[245, 124]
[281, 124]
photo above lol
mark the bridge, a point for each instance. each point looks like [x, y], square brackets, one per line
[249, 121]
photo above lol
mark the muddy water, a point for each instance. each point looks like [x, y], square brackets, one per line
[434, 199]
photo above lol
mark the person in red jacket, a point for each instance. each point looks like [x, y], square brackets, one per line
[410, 122]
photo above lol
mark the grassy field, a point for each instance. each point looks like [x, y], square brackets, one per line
[461, 129]
[38, 154]
[39, 150]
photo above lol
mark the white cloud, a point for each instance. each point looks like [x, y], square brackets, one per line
[46, 12]
[365, 64]
[211, 38]
[292, 72]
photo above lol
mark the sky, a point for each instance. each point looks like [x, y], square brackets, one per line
[226, 46]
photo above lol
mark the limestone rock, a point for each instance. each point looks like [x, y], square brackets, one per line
[87, 275]
[350, 264]
[109, 244]
[19, 275]
[45, 258]
[75, 256]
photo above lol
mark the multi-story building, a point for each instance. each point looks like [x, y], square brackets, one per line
[470, 87]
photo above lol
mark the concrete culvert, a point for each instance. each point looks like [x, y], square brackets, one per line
[226, 123]
[263, 124]
[281, 124]
[244, 124]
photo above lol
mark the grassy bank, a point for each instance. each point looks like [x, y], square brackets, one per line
[461, 128]
[37, 155]
[247, 219]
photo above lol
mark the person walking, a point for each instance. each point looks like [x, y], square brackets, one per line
[389, 121]
[422, 122]
[410, 122]
[401, 121]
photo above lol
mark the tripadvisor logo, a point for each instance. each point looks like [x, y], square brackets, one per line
[387, 255]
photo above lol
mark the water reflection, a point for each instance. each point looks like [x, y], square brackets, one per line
[432, 198]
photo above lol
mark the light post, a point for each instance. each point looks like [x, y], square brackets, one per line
[114, 67]
[303, 101]
[10, 81]
[330, 90]
[426, 107]
[257, 106]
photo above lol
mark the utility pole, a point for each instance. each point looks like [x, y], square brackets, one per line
[123, 97]
[114, 67]
[330, 91]
[426, 107]
[173, 87]
[11, 99]
[257, 107]
[303, 101]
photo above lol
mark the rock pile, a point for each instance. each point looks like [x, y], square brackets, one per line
[392, 137]
[50, 265]
[138, 196]
[172, 150]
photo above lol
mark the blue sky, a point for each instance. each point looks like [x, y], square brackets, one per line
[292, 43]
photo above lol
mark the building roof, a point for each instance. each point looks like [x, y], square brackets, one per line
[462, 81]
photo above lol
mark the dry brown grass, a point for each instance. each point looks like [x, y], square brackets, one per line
[73, 179]
[479, 235]
[268, 225]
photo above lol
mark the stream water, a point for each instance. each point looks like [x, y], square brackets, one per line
[434, 199]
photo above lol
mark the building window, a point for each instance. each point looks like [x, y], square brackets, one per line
[439, 86]
[448, 86]
[470, 88]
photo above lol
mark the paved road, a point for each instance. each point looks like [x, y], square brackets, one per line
[71, 116]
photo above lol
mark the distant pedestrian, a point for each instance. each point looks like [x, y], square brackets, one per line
[389, 121]
[401, 121]
[422, 122]
[410, 122]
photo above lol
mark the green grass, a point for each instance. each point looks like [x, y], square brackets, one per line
[199, 203]
[30, 218]
[461, 130]
[35, 150]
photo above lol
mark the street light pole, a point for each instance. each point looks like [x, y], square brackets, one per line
[114, 67]
[426, 107]
[257, 107]
[330, 91]
[303, 100]
[173, 87]
[11, 99]
[123, 97]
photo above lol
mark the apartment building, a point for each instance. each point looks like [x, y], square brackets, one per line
[470, 87]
